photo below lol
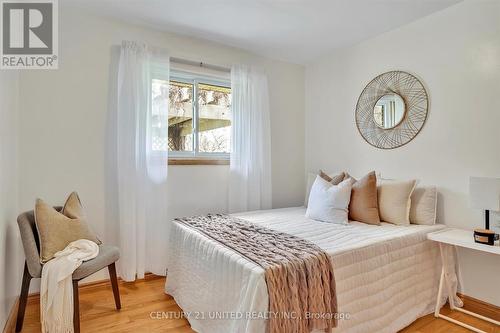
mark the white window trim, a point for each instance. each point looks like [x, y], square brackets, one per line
[188, 77]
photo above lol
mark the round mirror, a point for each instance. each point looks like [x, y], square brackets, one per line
[389, 111]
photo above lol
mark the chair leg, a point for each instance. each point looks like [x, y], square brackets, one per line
[114, 284]
[76, 307]
[23, 298]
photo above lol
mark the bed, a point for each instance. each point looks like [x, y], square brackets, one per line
[387, 276]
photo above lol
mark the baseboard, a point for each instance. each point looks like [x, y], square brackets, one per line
[480, 307]
[95, 284]
[10, 325]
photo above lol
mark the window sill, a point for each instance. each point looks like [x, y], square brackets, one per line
[197, 161]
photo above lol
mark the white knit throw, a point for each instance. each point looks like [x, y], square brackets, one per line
[56, 290]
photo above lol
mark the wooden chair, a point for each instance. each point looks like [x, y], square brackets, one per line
[108, 255]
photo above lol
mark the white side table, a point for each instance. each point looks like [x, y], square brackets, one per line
[462, 238]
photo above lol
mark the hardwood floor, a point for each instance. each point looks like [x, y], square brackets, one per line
[98, 314]
[142, 298]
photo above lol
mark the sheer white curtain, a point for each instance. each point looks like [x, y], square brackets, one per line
[141, 163]
[250, 175]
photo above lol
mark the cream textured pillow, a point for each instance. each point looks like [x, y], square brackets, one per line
[364, 204]
[329, 203]
[423, 205]
[311, 177]
[394, 200]
[57, 229]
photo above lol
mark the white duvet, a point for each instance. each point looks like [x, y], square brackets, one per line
[387, 276]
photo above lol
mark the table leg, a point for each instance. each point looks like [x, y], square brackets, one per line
[440, 293]
[442, 281]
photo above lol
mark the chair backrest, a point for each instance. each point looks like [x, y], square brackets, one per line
[31, 243]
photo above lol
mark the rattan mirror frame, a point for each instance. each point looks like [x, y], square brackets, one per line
[413, 92]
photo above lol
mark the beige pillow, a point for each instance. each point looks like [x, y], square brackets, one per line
[57, 229]
[335, 180]
[364, 204]
[311, 177]
[423, 205]
[394, 200]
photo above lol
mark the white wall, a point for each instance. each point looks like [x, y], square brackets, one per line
[456, 53]
[64, 113]
[9, 239]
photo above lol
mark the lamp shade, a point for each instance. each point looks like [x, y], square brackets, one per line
[484, 193]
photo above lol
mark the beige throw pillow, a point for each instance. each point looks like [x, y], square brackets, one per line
[423, 205]
[364, 203]
[335, 180]
[57, 229]
[394, 200]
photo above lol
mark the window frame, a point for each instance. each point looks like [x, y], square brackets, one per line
[195, 156]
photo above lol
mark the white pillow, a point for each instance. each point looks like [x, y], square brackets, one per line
[423, 205]
[329, 203]
[310, 181]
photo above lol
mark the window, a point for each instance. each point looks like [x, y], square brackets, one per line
[199, 116]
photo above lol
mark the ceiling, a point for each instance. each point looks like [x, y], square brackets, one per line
[297, 31]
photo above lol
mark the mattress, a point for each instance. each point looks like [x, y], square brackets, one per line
[386, 276]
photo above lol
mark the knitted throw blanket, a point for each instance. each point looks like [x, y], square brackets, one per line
[298, 273]
[56, 288]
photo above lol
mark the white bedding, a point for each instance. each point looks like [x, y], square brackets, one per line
[386, 276]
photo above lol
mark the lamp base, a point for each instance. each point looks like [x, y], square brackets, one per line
[483, 236]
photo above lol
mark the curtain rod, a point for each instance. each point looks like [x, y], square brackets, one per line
[200, 64]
